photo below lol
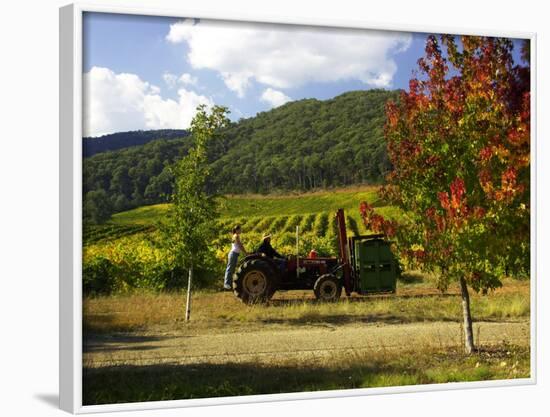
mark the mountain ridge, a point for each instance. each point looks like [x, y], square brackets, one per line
[120, 140]
[302, 145]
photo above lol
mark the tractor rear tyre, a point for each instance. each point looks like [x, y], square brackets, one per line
[327, 288]
[254, 282]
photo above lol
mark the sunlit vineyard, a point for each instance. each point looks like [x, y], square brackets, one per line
[127, 248]
[282, 228]
[316, 231]
[98, 233]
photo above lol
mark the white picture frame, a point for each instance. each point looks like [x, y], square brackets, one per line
[70, 203]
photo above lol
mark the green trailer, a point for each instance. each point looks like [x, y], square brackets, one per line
[367, 262]
[374, 265]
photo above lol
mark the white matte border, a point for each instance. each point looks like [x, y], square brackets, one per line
[70, 182]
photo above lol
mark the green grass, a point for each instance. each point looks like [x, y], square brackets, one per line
[248, 206]
[257, 205]
[119, 384]
[142, 215]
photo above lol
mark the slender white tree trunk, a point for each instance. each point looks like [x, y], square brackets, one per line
[188, 304]
[468, 332]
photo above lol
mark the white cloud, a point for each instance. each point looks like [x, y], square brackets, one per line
[187, 79]
[170, 79]
[275, 98]
[120, 102]
[289, 56]
[238, 82]
[173, 80]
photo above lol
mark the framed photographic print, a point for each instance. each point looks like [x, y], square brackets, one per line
[264, 210]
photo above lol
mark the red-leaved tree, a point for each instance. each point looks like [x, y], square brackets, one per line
[459, 142]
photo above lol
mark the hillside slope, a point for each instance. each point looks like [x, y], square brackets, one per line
[307, 144]
[121, 140]
[302, 145]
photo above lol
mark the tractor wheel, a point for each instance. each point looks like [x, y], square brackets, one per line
[254, 282]
[327, 288]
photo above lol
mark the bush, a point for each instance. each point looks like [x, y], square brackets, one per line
[98, 276]
[134, 263]
[138, 262]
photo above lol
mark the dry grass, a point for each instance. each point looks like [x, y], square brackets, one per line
[412, 303]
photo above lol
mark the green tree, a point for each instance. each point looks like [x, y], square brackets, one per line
[459, 142]
[121, 182]
[97, 206]
[192, 227]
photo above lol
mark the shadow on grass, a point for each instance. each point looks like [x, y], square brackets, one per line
[285, 302]
[119, 384]
[340, 319]
[96, 323]
[98, 342]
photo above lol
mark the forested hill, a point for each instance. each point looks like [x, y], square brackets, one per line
[301, 145]
[307, 144]
[120, 140]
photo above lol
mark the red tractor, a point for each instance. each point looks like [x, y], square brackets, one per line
[365, 265]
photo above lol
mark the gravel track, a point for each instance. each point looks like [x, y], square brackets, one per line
[298, 344]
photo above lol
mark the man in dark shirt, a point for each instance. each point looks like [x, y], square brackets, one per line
[266, 249]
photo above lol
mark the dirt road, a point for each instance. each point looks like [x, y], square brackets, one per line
[281, 344]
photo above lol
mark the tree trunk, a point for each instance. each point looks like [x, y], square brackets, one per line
[468, 332]
[188, 305]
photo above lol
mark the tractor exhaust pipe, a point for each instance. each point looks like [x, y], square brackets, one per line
[343, 249]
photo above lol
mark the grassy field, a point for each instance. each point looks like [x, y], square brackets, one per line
[414, 302]
[132, 383]
[138, 348]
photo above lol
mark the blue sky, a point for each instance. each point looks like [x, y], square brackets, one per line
[144, 72]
